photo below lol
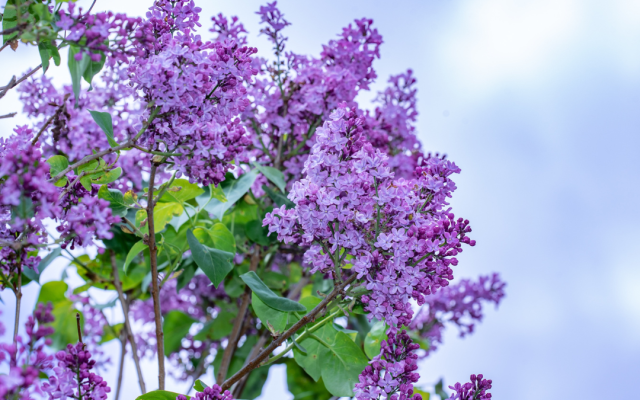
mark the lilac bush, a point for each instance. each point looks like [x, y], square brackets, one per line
[242, 209]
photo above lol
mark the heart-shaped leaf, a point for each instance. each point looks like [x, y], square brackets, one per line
[268, 297]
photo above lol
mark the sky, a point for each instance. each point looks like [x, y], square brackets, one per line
[537, 102]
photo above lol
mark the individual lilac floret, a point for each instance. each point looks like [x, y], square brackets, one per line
[27, 360]
[73, 377]
[460, 304]
[474, 390]
[390, 374]
[209, 393]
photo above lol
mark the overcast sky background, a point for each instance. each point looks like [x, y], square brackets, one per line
[537, 101]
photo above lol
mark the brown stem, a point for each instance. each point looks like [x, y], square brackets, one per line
[18, 293]
[253, 364]
[123, 352]
[127, 325]
[237, 324]
[13, 83]
[10, 115]
[153, 252]
[79, 327]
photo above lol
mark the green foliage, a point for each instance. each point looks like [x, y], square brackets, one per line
[160, 395]
[111, 332]
[374, 338]
[133, 252]
[220, 327]
[116, 200]
[176, 326]
[180, 191]
[56, 165]
[274, 175]
[65, 324]
[275, 320]
[162, 214]
[332, 355]
[199, 386]
[267, 296]
[278, 198]
[77, 69]
[233, 190]
[302, 386]
[213, 262]
[103, 119]
[93, 68]
[439, 389]
[48, 50]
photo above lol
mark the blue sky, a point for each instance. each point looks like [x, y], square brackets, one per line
[537, 102]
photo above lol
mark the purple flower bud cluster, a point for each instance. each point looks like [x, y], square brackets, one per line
[460, 304]
[27, 360]
[228, 30]
[73, 377]
[474, 390]
[391, 374]
[397, 234]
[198, 88]
[209, 393]
[103, 32]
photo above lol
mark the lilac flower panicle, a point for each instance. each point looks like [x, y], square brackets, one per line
[477, 389]
[27, 359]
[391, 374]
[73, 377]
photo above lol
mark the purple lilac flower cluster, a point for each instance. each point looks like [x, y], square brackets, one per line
[460, 304]
[209, 393]
[104, 32]
[27, 360]
[26, 198]
[88, 219]
[197, 88]
[73, 377]
[391, 127]
[398, 234]
[391, 374]
[474, 390]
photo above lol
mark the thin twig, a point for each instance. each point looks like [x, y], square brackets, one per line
[13, 83]
[91, 8]
[253, 364]
[18, 293]
[50, 119]
[127, 325]
[10, 115]
[123, 353]
[237, 325]
[153, 252]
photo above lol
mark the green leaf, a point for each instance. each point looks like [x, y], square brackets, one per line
[108, 177]
[115, 199]
[104, 121]
[176, 326]
[213, 262]
[258, 233]
[9, 20]
[425, 395]
[133, 252]
[199, 386]
[44, 263]
[93, 68]
[270, 317]
[160, 395]
[273, 174]
[180, 191]
[64, 312]
[77, 68]
[111, 332]
[374, 339]
[342, 364]
[267, 296]
[233, 190]
[278, 198]
[163, 213]
[302, 386]
[439, 389]
[220, 327]
[217, 237]
[45, 55]
[57, 164]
